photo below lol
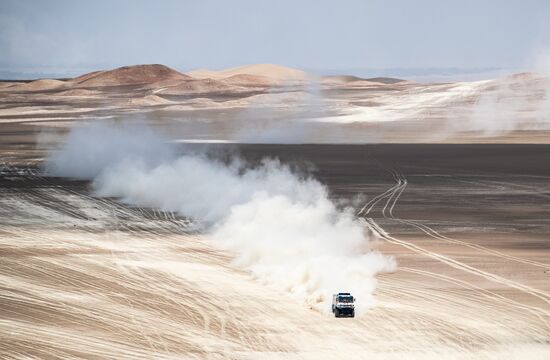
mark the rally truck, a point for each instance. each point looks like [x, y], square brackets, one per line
[343, 304]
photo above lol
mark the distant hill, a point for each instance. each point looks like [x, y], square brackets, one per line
[130, 75]
[257, 73]
[37, 85]
[156, 79]
[345, 80]
[160, 79]
[385, 80]
[249, 80]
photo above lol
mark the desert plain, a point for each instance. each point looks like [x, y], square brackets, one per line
[451, 180]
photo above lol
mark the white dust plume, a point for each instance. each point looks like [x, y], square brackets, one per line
[281, 227]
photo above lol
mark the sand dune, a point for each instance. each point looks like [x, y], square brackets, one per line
[274, 73]
[159, 79]
[354, 81]
[7, 84]
[129, 75]
[346, 80]
[249, 80]
[385, 80]
[38, 85]
[341, 78]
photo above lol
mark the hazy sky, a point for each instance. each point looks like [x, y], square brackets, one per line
[47, 34]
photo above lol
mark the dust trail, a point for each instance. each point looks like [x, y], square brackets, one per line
[281, 227]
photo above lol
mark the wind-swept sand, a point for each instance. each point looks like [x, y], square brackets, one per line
[92, 278]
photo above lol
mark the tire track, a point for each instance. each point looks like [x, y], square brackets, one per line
[393, 194]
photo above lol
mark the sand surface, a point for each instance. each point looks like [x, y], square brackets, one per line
[88, 277]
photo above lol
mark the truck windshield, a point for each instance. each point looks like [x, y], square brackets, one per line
[345, 299]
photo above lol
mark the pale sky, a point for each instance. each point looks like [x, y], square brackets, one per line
[64, 35]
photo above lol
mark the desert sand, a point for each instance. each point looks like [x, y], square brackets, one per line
[90, 277]
[332, 109]
[86, 276]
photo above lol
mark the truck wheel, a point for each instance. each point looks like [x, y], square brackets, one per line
[336, 313]
[352, 313]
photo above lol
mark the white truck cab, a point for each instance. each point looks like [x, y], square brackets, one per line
[343, 304]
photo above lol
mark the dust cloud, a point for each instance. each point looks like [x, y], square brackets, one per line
[280, 226]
